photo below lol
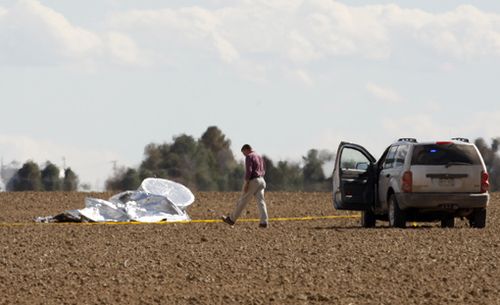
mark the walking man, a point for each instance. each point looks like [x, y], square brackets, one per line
[254, 186]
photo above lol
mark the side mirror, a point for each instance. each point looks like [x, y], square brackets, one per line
[362, 166]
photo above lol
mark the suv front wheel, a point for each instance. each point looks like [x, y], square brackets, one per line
[397, 217]
[368, 219]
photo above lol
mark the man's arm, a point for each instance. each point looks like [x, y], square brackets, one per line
[248, 173]
[248, 168]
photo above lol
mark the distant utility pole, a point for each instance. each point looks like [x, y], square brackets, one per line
[115, 166]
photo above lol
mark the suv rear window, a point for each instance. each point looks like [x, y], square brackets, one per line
[436, 154]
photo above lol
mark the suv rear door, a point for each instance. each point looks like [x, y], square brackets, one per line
[353, 178]
[446, 167]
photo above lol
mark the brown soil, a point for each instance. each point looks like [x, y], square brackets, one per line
[298, 262]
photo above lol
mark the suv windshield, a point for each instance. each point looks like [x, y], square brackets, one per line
[448, 154]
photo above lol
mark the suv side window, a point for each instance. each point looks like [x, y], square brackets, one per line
[389, 159]
[353, 159]
[401, 155]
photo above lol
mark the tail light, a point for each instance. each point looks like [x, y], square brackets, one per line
[407, 182]
[485, 182]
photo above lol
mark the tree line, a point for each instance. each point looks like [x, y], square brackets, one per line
[492, 160]
[208, 164]
[31, 178]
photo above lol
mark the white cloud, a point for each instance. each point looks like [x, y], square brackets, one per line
[181, 32]
[426, 127]
[301, 49]
[297, 31]
[124, 50]
[293, 34]
[384, 94]
[447, 67]
[92, 166]
[337, 29]
[282, 34]
[463, 33]
[3, 12]
[302, 77]
[227, 51]
[35, 34]
[421, 126]
[431, 106]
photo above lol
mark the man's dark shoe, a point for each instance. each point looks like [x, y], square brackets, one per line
[263, 225]
[227, 220]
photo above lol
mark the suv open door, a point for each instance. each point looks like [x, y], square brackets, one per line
[353, 178]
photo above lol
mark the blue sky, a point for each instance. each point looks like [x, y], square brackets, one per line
[95, 81]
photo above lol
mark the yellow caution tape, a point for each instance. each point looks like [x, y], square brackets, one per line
[307, 218]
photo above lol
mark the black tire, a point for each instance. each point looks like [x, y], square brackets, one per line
[368, 219]
[397, 217]
[478, 218]
[448, 221]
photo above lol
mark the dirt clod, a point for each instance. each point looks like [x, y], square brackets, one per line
[296, 262]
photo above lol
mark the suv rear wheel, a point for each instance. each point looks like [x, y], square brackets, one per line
[368, 219]
[448, 221]
[397, 217]
[478, 218]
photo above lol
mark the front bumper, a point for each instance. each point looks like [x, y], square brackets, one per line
[442, 201]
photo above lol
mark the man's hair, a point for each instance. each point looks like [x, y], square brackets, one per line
[246, 146]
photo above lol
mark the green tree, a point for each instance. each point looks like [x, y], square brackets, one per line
[154, 155]
[273, 176]
[70, 181]
[293, 178]
[235, 178]
[224, 169]
[285, 176]
[50, 177]
[185, 160]
[28, 178]
[314, 176]
[131, 180]
[215, 140]
[181, 159]
[113, 183]
[208, 164]
[124, 179]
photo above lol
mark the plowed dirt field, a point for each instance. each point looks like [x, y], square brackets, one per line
[331, 261]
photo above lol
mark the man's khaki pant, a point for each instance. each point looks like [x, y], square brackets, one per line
[256, 188]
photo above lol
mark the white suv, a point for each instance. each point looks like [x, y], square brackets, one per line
[413, 182]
